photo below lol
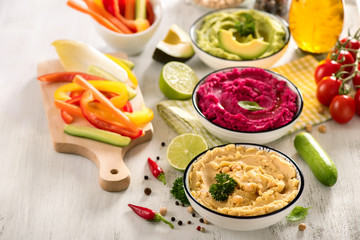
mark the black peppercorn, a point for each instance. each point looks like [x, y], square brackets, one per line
[177, 203]
[189, 222]
[147, 191]
[146, 177]
[163, 144]
[180, 223]
[201, 220]
[157, 158]
[172, 219]
[193, 215]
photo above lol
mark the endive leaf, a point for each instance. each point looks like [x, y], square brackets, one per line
[78, 56]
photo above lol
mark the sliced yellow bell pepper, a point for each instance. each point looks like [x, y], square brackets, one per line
[107, 86]
[141, 117]
[131, 75]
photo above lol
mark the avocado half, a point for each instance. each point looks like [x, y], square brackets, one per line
[175, 47]
[248, 50]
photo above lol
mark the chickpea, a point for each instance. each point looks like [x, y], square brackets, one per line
[225, 170]
[302, 226]
[163, 211]
[322, 129]
[190, 209]
[308, 128]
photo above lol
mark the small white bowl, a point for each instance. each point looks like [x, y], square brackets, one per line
[244, 223]
[134, 43]
[261, 137]
[217, 63]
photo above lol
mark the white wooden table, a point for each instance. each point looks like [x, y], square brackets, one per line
[48, 195]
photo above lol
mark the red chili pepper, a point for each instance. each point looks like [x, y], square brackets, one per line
[156, 170]
[149, 214]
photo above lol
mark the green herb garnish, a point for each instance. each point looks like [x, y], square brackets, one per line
[297, 213]
[178, 191]
[249, 105]
[225, 185]
[246, 27]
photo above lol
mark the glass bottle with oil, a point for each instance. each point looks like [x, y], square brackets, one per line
[316, 24]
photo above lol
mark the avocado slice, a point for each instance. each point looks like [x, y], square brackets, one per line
[98, 135]
[176, 46]
[249, 50]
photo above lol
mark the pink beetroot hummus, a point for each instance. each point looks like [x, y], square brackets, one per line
[219, 95]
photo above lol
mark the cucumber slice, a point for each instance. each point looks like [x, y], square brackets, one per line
[98, 135]
[317, 159]
[140, 9]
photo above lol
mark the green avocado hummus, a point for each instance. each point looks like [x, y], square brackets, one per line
[245, 27]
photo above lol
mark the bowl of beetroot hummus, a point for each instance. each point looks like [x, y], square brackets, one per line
[247, 104]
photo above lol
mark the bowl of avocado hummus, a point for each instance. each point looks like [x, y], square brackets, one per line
[239, 37]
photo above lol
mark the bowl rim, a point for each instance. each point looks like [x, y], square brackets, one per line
[158, 18]
[258, 146]
[297, 115]
[192, 33]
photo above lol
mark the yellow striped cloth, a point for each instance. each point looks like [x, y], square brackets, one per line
[181, 116]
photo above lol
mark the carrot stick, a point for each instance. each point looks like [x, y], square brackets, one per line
[129, 23]
[130, 9]
[93, 6]
[104, 100]
[100, 19]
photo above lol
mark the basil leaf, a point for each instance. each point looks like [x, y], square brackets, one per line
[249, 105]
[297, 213]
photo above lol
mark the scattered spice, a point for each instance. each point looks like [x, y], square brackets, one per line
[190, 209]
[201, 220]
[308, 128]
[206, 221]
[198, 228]
[193, 214]
[163, 211]
[302, 226]
[163, 144]
[173, 219]
[321, 110]
[149, 214]
[180, 222]
[322, 129]
[156, 170]
[202, 229]
[147, 191]
[177, 203]
[157, 158]
[189, 222]
[146, 177]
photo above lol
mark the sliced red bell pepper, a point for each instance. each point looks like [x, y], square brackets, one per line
[66, 117]
[66, 77]
[97, 95]
[127, 107]
[150, 15]
[100, 116]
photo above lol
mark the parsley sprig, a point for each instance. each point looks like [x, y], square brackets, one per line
[247, 26]
[178, 191]
[221, 190]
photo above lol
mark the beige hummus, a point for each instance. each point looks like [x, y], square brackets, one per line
[265, 181]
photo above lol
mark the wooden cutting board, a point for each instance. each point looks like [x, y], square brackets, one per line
[113, 173]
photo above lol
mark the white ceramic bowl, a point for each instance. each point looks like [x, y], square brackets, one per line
[135, 43]
[217, 62]
[244, 223]
[261, 137]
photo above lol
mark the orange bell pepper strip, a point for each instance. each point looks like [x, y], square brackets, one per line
[141, 117]
[66, 77]
[66, 117]
[101, 11]
[71, 109]
[100, 116]
[96, 16]
[130, 9]
[135, 131]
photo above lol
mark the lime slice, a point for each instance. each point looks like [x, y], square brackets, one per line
[177, 80]
[183, 148]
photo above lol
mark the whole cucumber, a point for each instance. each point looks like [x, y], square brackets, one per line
[317, 159]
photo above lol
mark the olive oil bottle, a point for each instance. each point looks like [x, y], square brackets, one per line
[316, 24]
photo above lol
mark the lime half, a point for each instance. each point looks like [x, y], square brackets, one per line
[183, 148]
[177, 80]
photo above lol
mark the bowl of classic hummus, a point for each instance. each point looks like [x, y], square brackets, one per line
[247, 104]
[239, 37]
[268, 184]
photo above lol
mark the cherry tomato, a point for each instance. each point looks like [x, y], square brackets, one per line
[343, 58]
[342, 108]
[326, 68]
[352, 44]
[357, 102]
[327, 89]
[356, 81]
